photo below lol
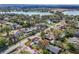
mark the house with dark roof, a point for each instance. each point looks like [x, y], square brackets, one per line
[53, 49]
[36, 40]
[76, 34]
[49, 36]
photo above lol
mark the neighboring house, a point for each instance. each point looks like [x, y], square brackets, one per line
[16, 26]
[77, 24]
[17, 33]
[35, 40]
[27, 30]
[41, 26]
[52, 41]
[6, 19]
[2, 21]
[53, 49]
[74, 40]
[49, 36]
[76, 34]
[50, 21]
[23, 30]
[62, 27]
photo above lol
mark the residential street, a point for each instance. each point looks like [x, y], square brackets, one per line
[25, 40]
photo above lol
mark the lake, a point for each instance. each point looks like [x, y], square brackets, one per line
[27, 13]
[71, 12]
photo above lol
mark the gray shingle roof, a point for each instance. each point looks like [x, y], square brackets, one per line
[53, 49]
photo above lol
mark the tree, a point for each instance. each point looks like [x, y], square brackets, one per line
[69, 32]
[71, 47]
[7, 30]
[2, 42]
[42, 35]
[1, 27]
[45, 51]
[24, 52]
[43, 43]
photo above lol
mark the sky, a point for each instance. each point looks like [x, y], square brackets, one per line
[39, 1]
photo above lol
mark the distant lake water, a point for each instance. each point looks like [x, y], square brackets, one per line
[27, 13]
[71, 12]
[41, 13]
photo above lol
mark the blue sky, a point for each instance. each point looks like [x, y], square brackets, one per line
[39, 1]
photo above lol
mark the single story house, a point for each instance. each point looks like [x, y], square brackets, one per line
[53, 49]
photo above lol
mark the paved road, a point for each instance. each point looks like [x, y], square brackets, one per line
[25, 40]
[18, 44]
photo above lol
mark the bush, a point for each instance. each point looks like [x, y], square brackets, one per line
[71, 47]
[45, 51]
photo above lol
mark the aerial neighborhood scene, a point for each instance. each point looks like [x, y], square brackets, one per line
[39, 29]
